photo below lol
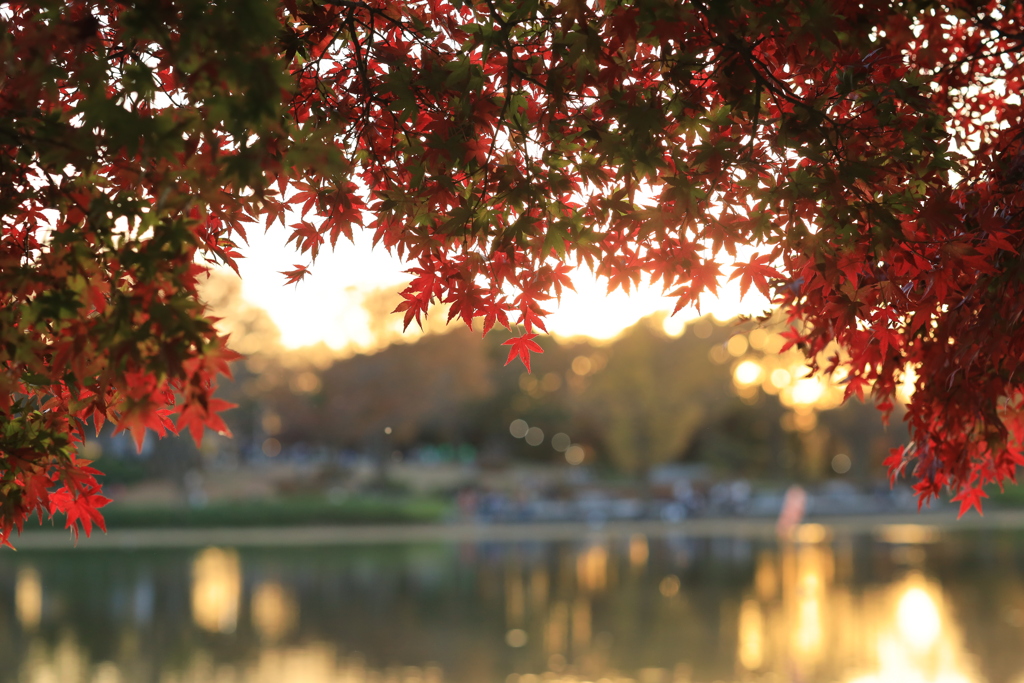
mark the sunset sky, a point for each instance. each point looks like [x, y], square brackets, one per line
[328, 305]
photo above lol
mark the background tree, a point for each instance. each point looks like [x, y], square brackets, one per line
[654, 396]
[869, 152]
[447, 396]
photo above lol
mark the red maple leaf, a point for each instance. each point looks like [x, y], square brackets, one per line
[969, 497]
[521, 347]
[81, 509]
[142, 416]
[36, 490]
[294, 276]
[307, 237]
[494, 312]
[197, 418]
[756, 272]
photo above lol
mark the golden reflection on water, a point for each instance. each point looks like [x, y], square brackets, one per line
[581, 623]
[540, 587]
[799, 619]
[557, 630]
[807, 574]
[809, 627]
[916, 534]
[798, 622]
[65, 662]
[314, 663]
[751, 635]
[68, 662]
[216, 589]
[917, 641]
[639, 551]
[28, 598]
[275, 611]
[515, 598]
[592, 569]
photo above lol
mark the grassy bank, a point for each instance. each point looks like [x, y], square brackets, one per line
[295, 511]
[1011, 497]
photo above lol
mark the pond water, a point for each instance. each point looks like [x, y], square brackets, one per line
[906, 606]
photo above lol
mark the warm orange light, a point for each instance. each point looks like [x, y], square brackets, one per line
[638, 550]
[917, 618]
[916, 642]
[216, 589]
[275, 611]
[737, 345]
[669, 586]
[748, 373]
[332, 304]
[516, 637]
[575, 454]
[808, 634]
[751, 635]
[28, 598]
[592, 568]
[779, 378]
[805, 392]
[905, 389]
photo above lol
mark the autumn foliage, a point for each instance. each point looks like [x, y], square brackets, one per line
[864, 159]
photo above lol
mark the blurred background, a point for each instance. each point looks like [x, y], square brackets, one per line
[709, 418]
[404, 508]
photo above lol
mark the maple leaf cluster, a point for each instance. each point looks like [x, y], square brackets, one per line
[871, 152]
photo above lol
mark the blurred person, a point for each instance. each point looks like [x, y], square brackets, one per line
[794, 505]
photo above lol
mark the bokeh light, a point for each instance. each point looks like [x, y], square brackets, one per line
[918, 619]
[575, 455]
[518, 428]
[751, 647]
[737, 345]
[581, 365]
[841, 463]
[561, 442]
[216, 589]
[28, 598]
[516, 637]
[271, 447]
[747, 373]
[639, 550]
[275, 611]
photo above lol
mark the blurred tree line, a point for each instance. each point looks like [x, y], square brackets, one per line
[641, 400]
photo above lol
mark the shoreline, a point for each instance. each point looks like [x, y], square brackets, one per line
[895, 528]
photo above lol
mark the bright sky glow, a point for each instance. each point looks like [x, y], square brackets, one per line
[328, 305]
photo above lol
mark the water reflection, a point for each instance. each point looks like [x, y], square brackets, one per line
[592, 569]
[275, 611]
[28, 598]
[809, 628]
[68, 662]
[315, 663]
[639, 551]
[216, 589]
[634, 610]
[751, 635]
[919, 641]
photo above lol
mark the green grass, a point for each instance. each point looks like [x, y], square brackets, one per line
[361, 509]
[1012, 497]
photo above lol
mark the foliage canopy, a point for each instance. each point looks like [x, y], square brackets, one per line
[869, 151]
